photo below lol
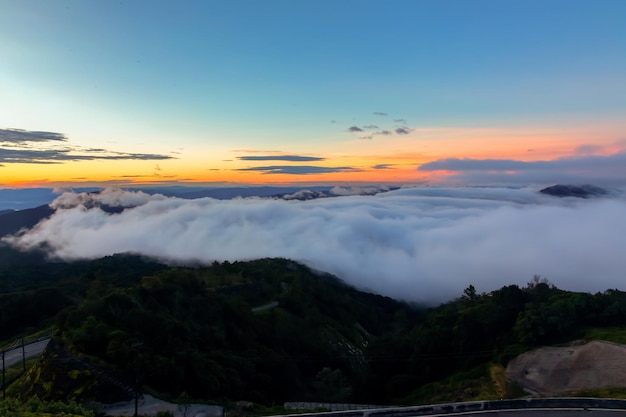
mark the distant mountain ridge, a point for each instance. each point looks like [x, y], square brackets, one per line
[580, 191]
[243, 192]
[25, 198]
[12, 221]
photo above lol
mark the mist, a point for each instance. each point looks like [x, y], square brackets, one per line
[416, 244]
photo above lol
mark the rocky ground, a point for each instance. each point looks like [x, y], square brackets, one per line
[559, 370]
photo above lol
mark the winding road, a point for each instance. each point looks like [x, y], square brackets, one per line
[14, 355]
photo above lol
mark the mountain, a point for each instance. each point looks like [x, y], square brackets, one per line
[14, 221]
[243, 192]
[24, 198]
[580, 191]
[273, 330]
[265, 330]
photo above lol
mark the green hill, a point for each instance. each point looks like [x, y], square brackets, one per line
[273, 330]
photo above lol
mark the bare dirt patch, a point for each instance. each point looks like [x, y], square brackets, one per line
[557, 370]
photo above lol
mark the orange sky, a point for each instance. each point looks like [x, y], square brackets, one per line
[399, 155]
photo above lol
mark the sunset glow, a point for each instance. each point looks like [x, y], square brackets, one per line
[122, 94]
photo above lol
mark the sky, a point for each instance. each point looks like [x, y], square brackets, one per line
[481, 92]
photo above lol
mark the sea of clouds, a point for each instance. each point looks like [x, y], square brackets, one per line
[417, 244]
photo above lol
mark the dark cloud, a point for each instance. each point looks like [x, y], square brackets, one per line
[22, 136]
[292, 158]
[400, 121]
[57, 156]
[370, 127]
[17, 156]
[27, 147]
[297, 169]
[384, 132]
[380, 113]
[354, 129]
[403, 131]
[382, 166]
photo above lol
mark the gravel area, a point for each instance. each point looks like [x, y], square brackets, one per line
[557, 370]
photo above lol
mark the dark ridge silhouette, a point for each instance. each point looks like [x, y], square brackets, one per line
[13, 222]
[580, 191]
[229, 193]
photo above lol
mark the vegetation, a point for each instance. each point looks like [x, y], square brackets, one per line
[34, 407]
[272, 330]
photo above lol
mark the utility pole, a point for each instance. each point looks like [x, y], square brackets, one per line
[4, 389]
[23, 356]
[136, 346]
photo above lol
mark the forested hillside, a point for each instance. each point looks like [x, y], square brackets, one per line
[273, 330]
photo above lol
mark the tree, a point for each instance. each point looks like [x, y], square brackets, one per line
[469, 293]
[331, 386]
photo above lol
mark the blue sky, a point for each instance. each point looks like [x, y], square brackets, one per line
[201, 81]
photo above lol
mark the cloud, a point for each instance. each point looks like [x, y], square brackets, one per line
[403, 130]
[384, 132]
[382, 166]
[293, 158]
[370, 127]
[379, 113]
[610, 169]
[21, 136]
[354, 129]
[419, 244]
[57, 156]
[19, 148]
[585, 150]
[400, 121]
[297, 169]
[345, 191]
[468, 164]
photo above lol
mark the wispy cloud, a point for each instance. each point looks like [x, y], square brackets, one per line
[261, 151]
[57, 156]
[292, 158]
[297, 169]
[379, 113]
[383, 166]
[23, 136]
[403, 130]
[606, 168]
[36, 147]
[588, 163]
[377, 130]
[584, 150]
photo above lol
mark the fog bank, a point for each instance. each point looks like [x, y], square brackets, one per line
[417, 244]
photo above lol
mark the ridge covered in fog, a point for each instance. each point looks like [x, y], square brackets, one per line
[421, 244]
